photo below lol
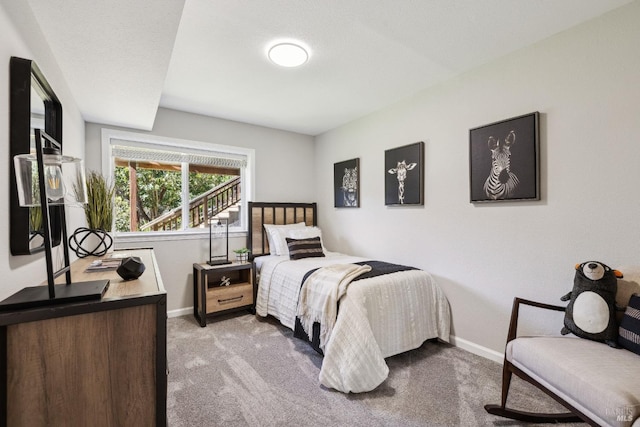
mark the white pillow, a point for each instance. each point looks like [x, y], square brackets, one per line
[305, 233]
[276, 237]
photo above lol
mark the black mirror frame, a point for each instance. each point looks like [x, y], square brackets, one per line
[25, 74]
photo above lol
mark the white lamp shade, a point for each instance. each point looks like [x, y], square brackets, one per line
[65, 181]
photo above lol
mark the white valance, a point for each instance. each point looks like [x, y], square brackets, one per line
[172, 155]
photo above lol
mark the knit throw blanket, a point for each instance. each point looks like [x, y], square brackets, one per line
[320, 294]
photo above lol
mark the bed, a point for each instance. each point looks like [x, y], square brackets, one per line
[384, 309]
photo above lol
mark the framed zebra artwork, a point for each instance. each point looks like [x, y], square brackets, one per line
[504, 160]
[404, 175]
[346, 184]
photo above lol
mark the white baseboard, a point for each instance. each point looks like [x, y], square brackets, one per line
[180, 312]
[476, 349]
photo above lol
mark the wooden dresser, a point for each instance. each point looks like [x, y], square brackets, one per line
[96, 363]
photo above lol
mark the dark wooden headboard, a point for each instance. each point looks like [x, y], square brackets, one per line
[261, 213]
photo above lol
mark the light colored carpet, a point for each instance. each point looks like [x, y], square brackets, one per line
[246, 371]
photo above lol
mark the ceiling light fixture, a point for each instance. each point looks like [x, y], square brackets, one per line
[288, 55]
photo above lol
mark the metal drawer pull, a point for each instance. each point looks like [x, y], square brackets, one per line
[229, 300]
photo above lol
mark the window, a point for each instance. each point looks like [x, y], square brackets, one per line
[167, 185]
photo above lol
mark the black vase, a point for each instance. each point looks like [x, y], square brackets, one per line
[131, 268]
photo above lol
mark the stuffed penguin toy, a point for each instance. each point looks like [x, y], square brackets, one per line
[591, 312]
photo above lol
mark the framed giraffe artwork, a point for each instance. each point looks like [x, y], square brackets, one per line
[504, 160]
[346, 184]
[404, 175]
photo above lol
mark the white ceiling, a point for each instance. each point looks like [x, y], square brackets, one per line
[123, 58]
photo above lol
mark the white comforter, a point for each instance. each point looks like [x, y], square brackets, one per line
[379, 317]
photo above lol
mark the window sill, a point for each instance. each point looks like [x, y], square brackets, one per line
[138, 237]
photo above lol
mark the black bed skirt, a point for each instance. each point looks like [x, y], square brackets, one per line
[314, 342]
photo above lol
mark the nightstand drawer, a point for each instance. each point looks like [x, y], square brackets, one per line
[227, 297]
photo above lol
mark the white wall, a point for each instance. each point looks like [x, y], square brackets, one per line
[284, 172]
[586, 84]
[20, 36]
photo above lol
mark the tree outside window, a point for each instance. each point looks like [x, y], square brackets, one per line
[156, 191]
[171, 185]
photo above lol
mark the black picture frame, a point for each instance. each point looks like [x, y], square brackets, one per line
[346, 183]
[504, 160]
[404, 175]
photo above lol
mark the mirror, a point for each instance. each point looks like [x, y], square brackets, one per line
[33, 105]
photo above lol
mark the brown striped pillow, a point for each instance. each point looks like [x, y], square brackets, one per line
[304, 248]
[629, 333]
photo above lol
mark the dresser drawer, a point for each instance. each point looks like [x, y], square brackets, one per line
[227, 297]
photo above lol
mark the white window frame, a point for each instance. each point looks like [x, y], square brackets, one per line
[112, 137]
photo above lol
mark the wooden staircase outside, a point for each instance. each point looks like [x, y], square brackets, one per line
[205, 206]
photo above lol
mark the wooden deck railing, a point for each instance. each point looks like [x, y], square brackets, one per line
[203, 207]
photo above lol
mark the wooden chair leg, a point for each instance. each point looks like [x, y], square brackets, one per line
[530, 417]
[506, 382]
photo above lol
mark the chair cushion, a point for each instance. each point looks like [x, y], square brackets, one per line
[601, 381]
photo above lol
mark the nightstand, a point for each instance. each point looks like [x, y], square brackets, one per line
[220, 289]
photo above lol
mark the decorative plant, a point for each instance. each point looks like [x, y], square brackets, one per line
[242, 254]
[99, 207]
[35, 219]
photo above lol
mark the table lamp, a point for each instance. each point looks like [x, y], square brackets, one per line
[64, 183]
[218, 229]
